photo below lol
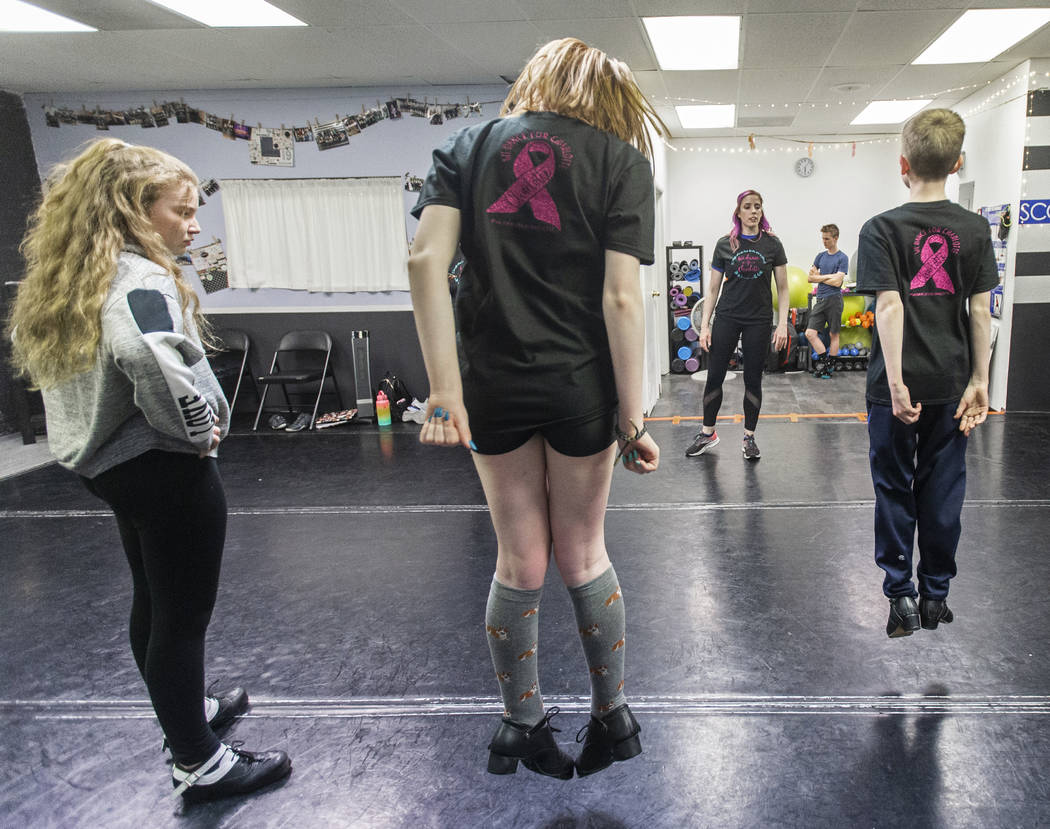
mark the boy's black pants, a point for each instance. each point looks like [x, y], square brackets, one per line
[919, 473]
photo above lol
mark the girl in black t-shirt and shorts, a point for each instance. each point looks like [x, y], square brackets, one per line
[741, 267]
[552, 204]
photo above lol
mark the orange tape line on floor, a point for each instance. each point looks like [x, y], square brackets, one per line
[793, 417]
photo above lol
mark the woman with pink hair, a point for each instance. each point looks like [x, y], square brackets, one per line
[741, 266]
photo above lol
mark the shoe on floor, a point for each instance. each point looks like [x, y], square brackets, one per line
[301, 421]
[904, 617]
[415, 412]
[226, 707]
[533, 745]
[277, 422]
[701, 443]
[934, 611]
[751, 450]
[822, 369]
[613, 737]
[230, 771]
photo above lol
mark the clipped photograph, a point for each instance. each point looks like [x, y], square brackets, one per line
[331, 135]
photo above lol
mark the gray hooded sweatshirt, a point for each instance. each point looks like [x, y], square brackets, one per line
[151, 386]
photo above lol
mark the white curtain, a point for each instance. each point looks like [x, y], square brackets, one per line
[318, 234]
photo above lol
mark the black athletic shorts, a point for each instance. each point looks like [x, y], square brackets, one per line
[826, 309]
[577, 437]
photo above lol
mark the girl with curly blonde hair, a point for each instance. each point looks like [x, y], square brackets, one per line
[109, 330]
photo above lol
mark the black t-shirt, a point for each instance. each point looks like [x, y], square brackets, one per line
[745, 295]
[936, 255]
[541, 198]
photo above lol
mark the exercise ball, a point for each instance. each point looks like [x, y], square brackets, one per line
[853, 304]
[859, 337]
[798, 288]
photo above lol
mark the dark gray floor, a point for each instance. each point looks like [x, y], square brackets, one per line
[352, 602]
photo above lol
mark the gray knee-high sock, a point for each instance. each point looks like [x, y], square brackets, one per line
[512, 625]
[598, 605]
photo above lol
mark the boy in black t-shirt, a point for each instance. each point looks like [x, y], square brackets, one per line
[930, 265]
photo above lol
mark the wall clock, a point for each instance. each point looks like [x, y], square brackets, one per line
[805, 167]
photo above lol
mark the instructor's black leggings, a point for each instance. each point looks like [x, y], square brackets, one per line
[755, 339]
[171, 513]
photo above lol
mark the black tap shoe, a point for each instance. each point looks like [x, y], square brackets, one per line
[613, 737]
[934, 611]
[533, 745]
[904, 617]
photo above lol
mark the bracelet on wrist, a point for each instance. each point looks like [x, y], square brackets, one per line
[628, 439]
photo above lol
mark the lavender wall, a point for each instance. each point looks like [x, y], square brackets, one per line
[389, 148]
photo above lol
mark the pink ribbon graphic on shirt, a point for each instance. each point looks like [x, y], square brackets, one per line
[932, 260]
[530, 185]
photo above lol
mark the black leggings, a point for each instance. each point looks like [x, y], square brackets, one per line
[171, 513]
[755, 338]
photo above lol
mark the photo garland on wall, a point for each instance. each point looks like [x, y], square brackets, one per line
[271, 146]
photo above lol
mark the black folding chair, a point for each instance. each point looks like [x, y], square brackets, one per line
[231, 365]
[302, 358]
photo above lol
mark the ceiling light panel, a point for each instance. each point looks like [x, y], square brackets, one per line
[888, 112]
[231, 13]
[685, 43]
[981, 34]
[16, 16]
[706, 116]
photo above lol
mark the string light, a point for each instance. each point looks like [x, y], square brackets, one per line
[794, 144]
[816, 104]
[993, 100]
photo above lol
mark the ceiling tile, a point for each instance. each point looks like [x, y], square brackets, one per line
[576, 10]
[776, 85]
[459, 11]
[793, 6]
[716, 87]
[623, 38]
[499, 48]
[676, 8]
[869, 79]
[789, 40]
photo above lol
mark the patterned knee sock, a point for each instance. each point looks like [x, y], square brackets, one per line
[512, 624]
[600, 615]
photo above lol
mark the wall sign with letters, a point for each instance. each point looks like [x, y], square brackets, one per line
[1034, 212]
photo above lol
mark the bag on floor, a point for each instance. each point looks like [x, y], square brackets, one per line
[787, 357]
[397, 393]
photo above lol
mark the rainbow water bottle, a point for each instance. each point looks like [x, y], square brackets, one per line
[382, 409]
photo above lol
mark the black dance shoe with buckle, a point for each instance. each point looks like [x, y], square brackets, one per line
[533, 745]
[612, 737]
[230, 771]
[934, 611]
[904, 617]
